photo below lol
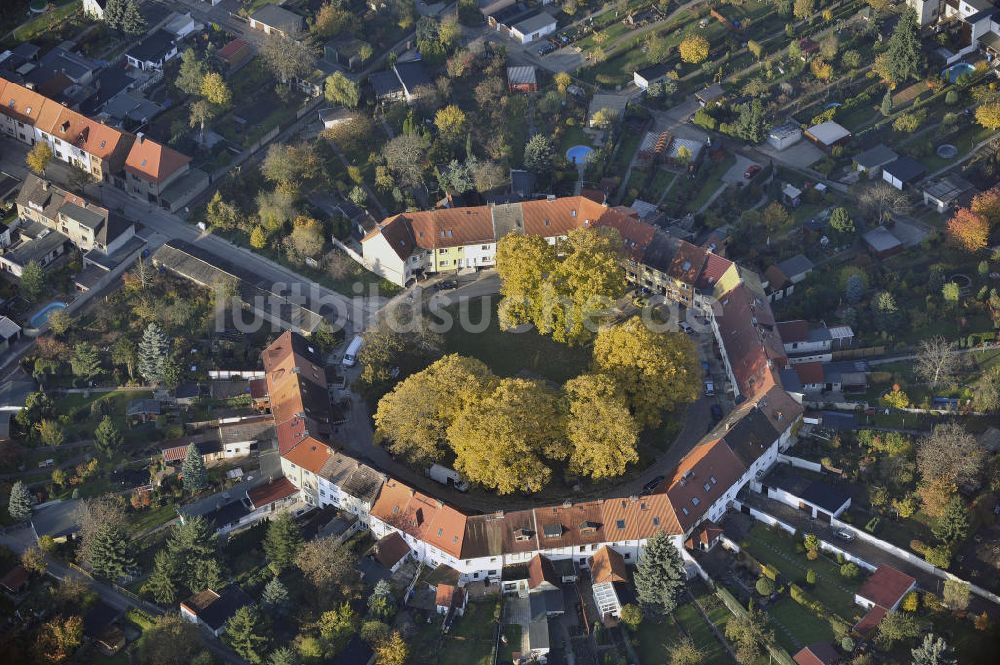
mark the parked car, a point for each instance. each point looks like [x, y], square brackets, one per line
[709, 388]
[446, 285]
[716, 412]
[546, 48]
[751, 171]
[844, 534]
[686, 327]
[652, 484]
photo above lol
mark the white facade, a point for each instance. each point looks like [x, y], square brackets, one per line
[534, 34]
[94, 8]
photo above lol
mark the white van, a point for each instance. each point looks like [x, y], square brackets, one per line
[351, 354]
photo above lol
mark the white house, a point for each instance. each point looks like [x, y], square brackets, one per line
[784, 136]
[153, 52]
[819, 499]
[533, 27]
[94, 8]
[213, 609]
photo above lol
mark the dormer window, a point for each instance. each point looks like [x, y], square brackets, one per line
[620, 524]
[656, 521]
[695, 500]
[707, 486]
[521, 535]
[552, 530]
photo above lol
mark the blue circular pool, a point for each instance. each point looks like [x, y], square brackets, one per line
[579, 154]
[41, 317]
[955, 71]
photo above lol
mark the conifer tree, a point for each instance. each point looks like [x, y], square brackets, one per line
[193, 468]
[659, 577]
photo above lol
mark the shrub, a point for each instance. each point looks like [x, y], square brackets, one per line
[811, 576]
[911, 603]
[850, 570]
[764, 586]
[847, 644]
[812, 555]
[769, 572]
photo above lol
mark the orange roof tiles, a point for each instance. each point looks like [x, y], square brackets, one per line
[570, 524]
[21, 103]
[273, 491]
[636, 518]
[540, 570]
[421, 516]
[809, 373]
[390, 548]
[607, 565]
[749, 335]
[703, 475]
[886, 587]
[310, 454]
[154, 162]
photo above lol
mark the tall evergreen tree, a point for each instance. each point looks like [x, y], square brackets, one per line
[274, 598]
[107, 436]
[162, 582]
[19, 505]
[114, 10]
[109, 553]
[282, 542]
[154, 351]
[659, 577]
[193, 545]
[282, 656]
[133, 22]
[903, 57]
[381, 603]
[243, 634]
[193, 468]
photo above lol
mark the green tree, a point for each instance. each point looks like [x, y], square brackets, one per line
[107, 437]
[50, 432]
[109, 551]
[764, 586]
[631, 616]
[191, 73]
[841, 222]
[327, 565]
[193, 469]
[275, 599]
[244, 634]
[811, 577]
[655, 371]
[751, 125]
[33, 281]
[161, 584]
[804, 9]
[896, 626]
[215, 91]
[60, 322]
[886, 106]
[749, 634]
[19, 503]
[933, 651]
[169, 641]
[903, 57]
[124, 353]
[955, 595]
[659, 578]
[282, 542]
[342, 90]
[539, 155]
[86, 361]
[602, 431]
[686, 652]
[381, 603]
[193, 547]
[282, 656]
[154, 350]
[953, 526]
[132, 22]
[392, 651]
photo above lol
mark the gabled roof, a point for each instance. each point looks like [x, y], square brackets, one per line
[412, 75]
[276, 490]
[152, 161]
[153, 48]
[703, 475]
[521, 75]
[809, 373]
[420, 516]
[886, 587]
[796, 265]
[278, 17]
[821, 653]
[905, 169]
[608, 566]
[540, 570]
[390, 548]
[750, 338]
[214, 608]
[876, 156]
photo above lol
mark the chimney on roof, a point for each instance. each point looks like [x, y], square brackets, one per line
[45, 185]
[140, 137]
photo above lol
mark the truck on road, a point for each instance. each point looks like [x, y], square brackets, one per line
[446, 476]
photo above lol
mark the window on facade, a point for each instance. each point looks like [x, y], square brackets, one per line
[620, 524]
[695, 500]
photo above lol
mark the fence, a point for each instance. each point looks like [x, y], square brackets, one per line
[800, 463]
[764, 517]
[227, 374]
[729, 600]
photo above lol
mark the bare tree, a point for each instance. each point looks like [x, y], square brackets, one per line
[949, 453]
[405, 155]
[936, 362]
[881, 201]
[288, 56]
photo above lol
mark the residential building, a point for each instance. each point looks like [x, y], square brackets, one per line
[871, 161]
[710, 94]
[821, 653]
[881, 242]
[532, 28]
[275, 19]
[522, 79]
[903, 172]
[74, 138]
[94, 8]
[784, 136]
[972, 23]
[948, 192]
[819, 499]
[881, 593]
[610, 582]
[10, 333]
[93, 229]
[828, 134]
[213, 609]
[152, 52]
[412, 75]
[805, 342]
[391, 551]
[646, 76]
[150, 171]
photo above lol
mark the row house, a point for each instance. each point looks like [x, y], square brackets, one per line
[806, 343]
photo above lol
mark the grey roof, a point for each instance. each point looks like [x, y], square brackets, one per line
[796, 265]
[826, 496]
[412, 75]
[790, 380]
[35, 249]
[73, 65]
[139, 407]
[522, 182]
[227, 513]
[654, 72]
[876, 156]
[8, 328]
[828, 132]
[834, 372]
[521, 75]
[385, 83]
[153, 48]
[881, 239]
[948, 188]
[533, 23]
[750, 435]
[133, 107]
[89, 218]
[710, 93]
[5, 417]
[57, 519]
[229, 600]
[905, 169]
[278, 17]
[251, 430]
[26, 50]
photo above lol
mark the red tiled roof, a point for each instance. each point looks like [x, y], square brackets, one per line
[420, 516]
[607, 565]
[390, 549]
[276, 490]
[15, 578]
[310, 454]
[231, 49]
[752, 345]
[886, 587]
[448, 596]
[775, 278]
[540, 570]
[871, 620]
[707, 461]
[793, 331]
[713, 270]
[154, 162]
[821, 653]
[809, 373]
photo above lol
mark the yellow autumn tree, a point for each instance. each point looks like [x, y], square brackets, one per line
[258, 237]
[562, 81]
[414, 418]
[601, 430]
[694, 49]
[655, 371]
[988, 115]
[501, 440]
[215, 90]
[450, 122]
[38, 157]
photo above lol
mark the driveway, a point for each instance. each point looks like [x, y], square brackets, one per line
[734, 176]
